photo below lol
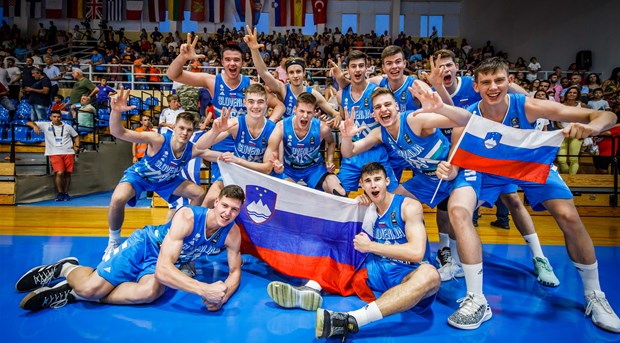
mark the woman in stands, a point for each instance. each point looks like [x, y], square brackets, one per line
[568, 155]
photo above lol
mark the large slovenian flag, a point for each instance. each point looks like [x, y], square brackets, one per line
[490, 147]
[301, 232]
[279, 9]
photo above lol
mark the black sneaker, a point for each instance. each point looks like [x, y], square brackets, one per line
[500, 225]
[330, 324]
[59, 197]
[289, 296]
[67, 197]
[443, 256]
[42, 275]
[46, 297]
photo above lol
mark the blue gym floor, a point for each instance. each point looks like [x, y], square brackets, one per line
[523, 310]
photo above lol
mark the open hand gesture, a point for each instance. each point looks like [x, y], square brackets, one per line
[188, 50]
[348, 129]
[430, 100]
[118, 102]
[335, 68]
[252, 39]
[436, 75]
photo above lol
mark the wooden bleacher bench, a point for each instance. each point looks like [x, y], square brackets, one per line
[7, 183]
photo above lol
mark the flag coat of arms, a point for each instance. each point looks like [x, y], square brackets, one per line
[490, 147]
[301, 232]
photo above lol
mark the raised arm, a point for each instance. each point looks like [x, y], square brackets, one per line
[432, 103]
[168, 274]
[436, 80]
[414, 249]
[277, 105]
[271, 82]
[176, 71]
[348, 129]
[584, 121]
[219, 130]
[118, 104]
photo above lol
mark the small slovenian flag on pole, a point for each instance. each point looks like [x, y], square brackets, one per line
[490, 147]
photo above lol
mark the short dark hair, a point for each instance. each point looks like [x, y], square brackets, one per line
[188, 116]
[232, 47]
[373, 167]
[380, 91]
[444, 53]
[391, 51]
[490, 65]
[599, 89]
[306, 98]
[356, 55]
[232, 192]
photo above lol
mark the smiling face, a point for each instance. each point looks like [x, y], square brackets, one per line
[296, 74]
[232, 63]
[394, 66]
[256, 104]
[226, 210]
[385, 109]
[183, 130]
[492, 86]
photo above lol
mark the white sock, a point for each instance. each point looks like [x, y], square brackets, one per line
[473, 278]
[367, 314]
[534, 244]
[314, 285]
[444, 240]
[79, 298]
[589, 276]
[455, 251]
[67, 268]
[115, 235]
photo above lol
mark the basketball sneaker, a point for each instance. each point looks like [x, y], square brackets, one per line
[330, 324]
[289, 296]
[450, 270]
[42, 275]
[443, 256]
[602, 314]
[48, 297]
[544, 272]
[471, 313]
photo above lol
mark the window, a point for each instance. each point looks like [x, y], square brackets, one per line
[189, 25]
[401, 24]
[382, 23]
[164, 26]
[349, 21]
[429, 23]
[263, 23]
[309, 29]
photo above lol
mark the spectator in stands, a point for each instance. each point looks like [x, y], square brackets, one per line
[611, 88]
[97, 61]
[82, 86]
[103, 95]
[39, 94]
[58, 105]
[571, 147]
[597, 102]
[15, 75]
[575, 80]
[84, 114]
[6, 102]
[54, 74]
[49, 52]
[593, 81]
[139, 149]
[168, 116]
[61, 144]
[607, 149]
[27, 80]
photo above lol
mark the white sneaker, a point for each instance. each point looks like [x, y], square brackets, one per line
[289, 296]
[112, 246]
[450, 270]
[471, 313]
[602, 314]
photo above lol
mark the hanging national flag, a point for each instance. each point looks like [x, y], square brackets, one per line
[176, 10]
[13, 8]
[75, 9]
[490, 147]
[53, 9]
[216, 11]
[197, 10]
[249, 10]
[114, 10]
[94, 9]
[279, 9]
[319, 9]
[157, 11]
[301, 232]
[298, 13]
[35, 10]
[134, 9]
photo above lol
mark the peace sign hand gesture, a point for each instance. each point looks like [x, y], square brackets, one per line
[252, 39]
[188, 50]
[348, 129]
[221, 124]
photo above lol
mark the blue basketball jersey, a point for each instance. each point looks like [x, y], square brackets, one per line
[300, 153]
[463, 97]
[250, 148]
[290, 100]
[363, 109]
[163, 166]
[515, 116]
[422, 153]
[196, 244]
[403, 96]
[389, 227]
[224, 96]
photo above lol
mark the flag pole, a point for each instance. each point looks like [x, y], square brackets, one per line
[452, 155]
